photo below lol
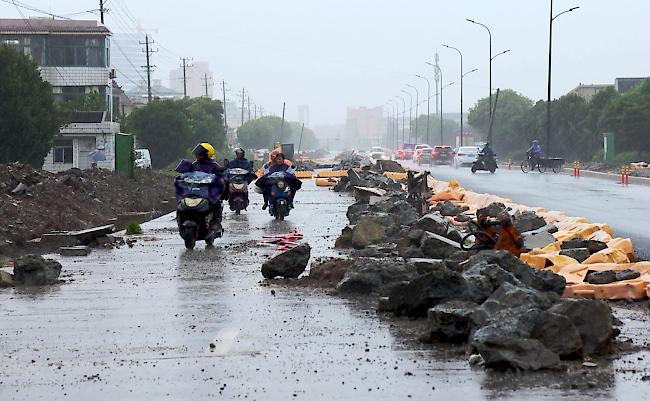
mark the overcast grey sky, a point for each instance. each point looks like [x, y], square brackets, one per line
[338, 53]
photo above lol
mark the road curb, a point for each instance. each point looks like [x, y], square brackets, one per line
[608, 176]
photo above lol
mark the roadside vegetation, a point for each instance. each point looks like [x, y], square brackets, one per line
[577, 125]
[264, 132]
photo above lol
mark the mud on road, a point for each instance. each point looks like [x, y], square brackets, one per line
[137, 324]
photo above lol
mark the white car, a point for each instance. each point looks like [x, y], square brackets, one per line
[466, 155]
[142, 158]
[378, 153]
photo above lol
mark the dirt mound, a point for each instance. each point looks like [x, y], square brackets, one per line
[34, 202]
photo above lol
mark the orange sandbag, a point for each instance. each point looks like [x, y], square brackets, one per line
[625, 245]
[609, 255]
[395, 176]
[573, 274]
[601, 236]
[332, 174]
[619, 290]
[538, 261]
[303, 174]
[326, 182]
[453, 192]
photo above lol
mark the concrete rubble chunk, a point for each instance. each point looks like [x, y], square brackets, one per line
[627, 274]
[375, 275]
[536, 240]
[74, 251]
[433, 223]
[34, 270]
[503, 353]
[593, 319]
[450, 321]
[288, 264]
[601, 277]
[6, 279]
[591, 245]
[528, 221]
[579, 254]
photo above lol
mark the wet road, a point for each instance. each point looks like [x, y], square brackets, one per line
[136, 324]
[625, 209]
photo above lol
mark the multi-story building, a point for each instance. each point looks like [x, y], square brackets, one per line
[74, 57]
[364, 126]
[197, 76]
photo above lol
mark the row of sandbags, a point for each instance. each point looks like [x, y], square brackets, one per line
[619, 255]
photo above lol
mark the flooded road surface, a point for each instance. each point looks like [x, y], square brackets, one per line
[137, 324]
[601, 201]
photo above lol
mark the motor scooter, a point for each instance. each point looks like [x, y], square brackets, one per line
[238, 182]
[279, 197]
[485, 163]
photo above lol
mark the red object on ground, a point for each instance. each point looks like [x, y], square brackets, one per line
[284, 242]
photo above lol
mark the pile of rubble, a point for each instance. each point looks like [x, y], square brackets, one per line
[31, 270]
[349, 160]
[407, 256]
[34, 202]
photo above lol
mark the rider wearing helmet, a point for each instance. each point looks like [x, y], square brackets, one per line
[204, 155]
[535, 153]
[279, 165]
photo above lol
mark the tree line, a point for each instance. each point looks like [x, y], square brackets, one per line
[265, 132]
[577, 125]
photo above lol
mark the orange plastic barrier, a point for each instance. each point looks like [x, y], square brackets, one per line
[632, 289]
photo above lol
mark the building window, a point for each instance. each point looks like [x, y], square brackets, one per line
[76, 52]
[63, 151]
[29, 46]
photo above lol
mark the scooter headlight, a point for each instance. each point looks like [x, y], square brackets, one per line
[193, 202]
[281, 185]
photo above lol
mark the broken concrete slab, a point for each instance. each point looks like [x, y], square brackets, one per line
[537, 240]
[81, 250]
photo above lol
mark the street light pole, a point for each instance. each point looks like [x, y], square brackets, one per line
[428, 101]
[410, 115]
[550, 64]
[396, 119]
[403, 117]
[439, 73]
[417, 102]
[461, 90]
[490, 87]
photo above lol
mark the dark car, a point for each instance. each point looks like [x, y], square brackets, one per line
[442, 155]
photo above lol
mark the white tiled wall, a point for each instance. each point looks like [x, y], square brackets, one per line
[76, 76]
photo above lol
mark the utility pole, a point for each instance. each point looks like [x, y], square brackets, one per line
[302, 131]
[101, 10]
[225, 118]
[436, 77]
[148, 52]
[243, 97]
[282, 126]
[185, 66]
[205, 81]
[249, 108]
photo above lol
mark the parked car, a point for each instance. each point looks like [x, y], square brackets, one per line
[442, 154]
[142, 158]
[423, 156]
[379, 153]
[466, 155]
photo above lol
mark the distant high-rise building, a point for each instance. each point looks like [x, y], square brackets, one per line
[364, 126]
[196, 73]
[128, 58]
[303, 114]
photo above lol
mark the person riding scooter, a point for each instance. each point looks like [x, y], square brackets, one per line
[240, 161]
[204, 161]
[279, 165]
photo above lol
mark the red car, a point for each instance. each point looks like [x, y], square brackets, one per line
[404, 154]
[442, 155]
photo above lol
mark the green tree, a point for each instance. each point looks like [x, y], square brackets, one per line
[628, 116]
[206, 121]
[171, 128]
[264, 132]
[28, 117]
[164, 129]
[512, 128]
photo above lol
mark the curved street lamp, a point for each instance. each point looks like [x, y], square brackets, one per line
[461, 90]
[417, 103]
[428, 101]
[548, 101]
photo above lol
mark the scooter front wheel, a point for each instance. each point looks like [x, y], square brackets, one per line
[189, 237]
[473, 168]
